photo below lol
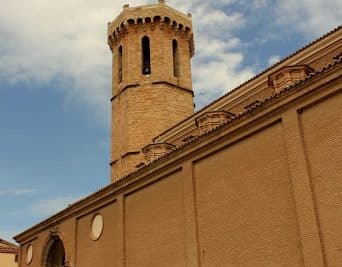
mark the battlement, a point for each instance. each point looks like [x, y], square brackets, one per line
[154, 15]
[152, 47]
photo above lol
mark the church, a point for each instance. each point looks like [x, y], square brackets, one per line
[251, 179]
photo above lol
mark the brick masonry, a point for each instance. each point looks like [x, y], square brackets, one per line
[261, 189]
[145, 105]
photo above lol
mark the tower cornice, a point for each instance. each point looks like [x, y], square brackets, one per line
[151, 46]
[150, 16]
[135, 85]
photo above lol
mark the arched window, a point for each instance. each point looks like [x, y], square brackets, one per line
[56, 256]
[146, 56]
[175, 58]
[54, 253]
[120, 65]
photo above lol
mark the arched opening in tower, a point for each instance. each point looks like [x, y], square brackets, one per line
[120, 64]
[175, 58]
[146, 56]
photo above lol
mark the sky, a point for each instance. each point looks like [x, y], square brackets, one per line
[55, 85]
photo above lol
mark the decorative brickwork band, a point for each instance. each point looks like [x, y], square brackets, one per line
[211, 119]
[287, 76]
[157, 150]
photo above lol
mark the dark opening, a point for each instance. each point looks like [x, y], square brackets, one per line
[56, 256]
[175, 58]
[146, 57]
[120, 65]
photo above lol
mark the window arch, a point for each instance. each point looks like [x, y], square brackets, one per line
[175, 52]
[120, 64]
[146, 56]
[54, 252]
[56, 255]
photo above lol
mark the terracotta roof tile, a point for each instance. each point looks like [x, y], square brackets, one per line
[8, 247]
[4, 243]
[124, 181]
[9, 250]
[251, 108]
[253, 78]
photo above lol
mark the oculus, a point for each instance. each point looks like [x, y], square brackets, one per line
[29, 254]
[96, 227]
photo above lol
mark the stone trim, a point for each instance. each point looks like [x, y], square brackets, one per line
[212, 119]
[284, 96]
[253, 79]
[10, 250]
[287, 76]
[140, 17]
[135, 85]
[156, 150]
[49, 241]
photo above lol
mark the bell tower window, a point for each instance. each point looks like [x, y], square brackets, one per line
[146, 56]
[175, 58]
[120, 65]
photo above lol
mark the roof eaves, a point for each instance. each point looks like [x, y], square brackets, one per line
[250, 109]
[253, 78]
[124, 180]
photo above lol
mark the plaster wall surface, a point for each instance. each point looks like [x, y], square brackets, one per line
[265, 192]
[155, 235]
[263, 189]
[65, 230]
[321, 126]
[239, 190]
[89, 252]
[8, 260]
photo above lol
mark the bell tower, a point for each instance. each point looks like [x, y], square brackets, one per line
[152, 47]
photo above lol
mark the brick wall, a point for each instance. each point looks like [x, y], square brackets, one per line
[143, 106]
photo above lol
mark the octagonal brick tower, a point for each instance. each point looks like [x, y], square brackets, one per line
[152, 46]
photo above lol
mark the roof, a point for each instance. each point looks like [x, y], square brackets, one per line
[8, 247]
[250, 110]
[126, 180]
[253, 108]
[250, 80]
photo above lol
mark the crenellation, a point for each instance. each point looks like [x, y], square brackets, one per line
[252, 179]
[120, 32]
[151, 15]
[146, 104]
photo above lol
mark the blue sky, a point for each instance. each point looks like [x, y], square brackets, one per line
[55, 81]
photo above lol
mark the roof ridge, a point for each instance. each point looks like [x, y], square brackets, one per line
[249, 110]
[12, 250]
[7, 243]
[254, 77]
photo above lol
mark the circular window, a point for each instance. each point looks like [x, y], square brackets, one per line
[29, 254]
[96, 227]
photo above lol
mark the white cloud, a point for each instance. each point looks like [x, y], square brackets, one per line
[273, 59]
[259, 3]
[218, 62]
[64, 42]
[309, 17]
[17, 192]
[7, 235]
[61, 42]
[48, 207]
